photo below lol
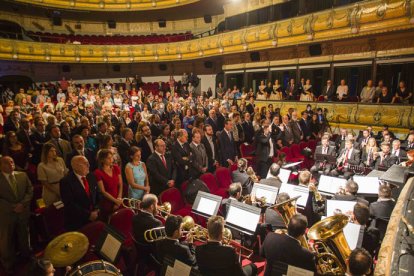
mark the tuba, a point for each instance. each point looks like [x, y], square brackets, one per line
[287, 209]
[330, 245]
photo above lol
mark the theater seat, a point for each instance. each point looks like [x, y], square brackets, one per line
[173, 196]
[223, 176]
[213, 186]
[121, 220]
[53, 221]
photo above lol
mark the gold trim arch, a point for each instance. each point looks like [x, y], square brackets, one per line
[366, 18]
[109, 5]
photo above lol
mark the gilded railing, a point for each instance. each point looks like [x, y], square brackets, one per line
[109, 5]
[365, 18]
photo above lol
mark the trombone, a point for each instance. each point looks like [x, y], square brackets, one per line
[135, 204]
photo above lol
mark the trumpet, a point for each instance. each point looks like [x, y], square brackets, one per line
[164, 209]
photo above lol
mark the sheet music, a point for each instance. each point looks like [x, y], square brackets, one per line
[291, 165]
[110, 247]
[268, 192]
[206, 206]
[330, 185]
[342, 206]
[181, 269]
[294, 190]
[284, 175]
[297, 271]
[242, 218]
[169, 271]
[367, 184]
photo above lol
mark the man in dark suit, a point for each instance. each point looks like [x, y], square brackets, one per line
[328, 91]
[23, 134]
[212, 120]
[79, 192]
[305, 126]
[134, 123]
[384, 206]
[348, 156]
[291, 90]
[12, 123]
[242, 177]
[250, 105]
[273, 179]
[16, 192]
[272, 217]
[351, 190]
[154, 122]
[198, 157]
[398, 152]
[274, 247]
[324, 149]
[363, 140]
[371, 235]
[359, 262]
[265, 149]
[295, 127]
[213, 258]
[171, 246]
[287, 134]
[181, 154]
[146, 144]
[384, 159]
[340, 140]
[161, 171]
[38, 138]
[227, 145]
[145, 220]
[248, 128]
[124, 145]
[210, 144]
[63, 147]
[221, 120]
[78, 145]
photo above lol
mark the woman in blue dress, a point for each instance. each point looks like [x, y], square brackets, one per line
[136, 175]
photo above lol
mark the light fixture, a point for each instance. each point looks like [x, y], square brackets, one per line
[15, 56]
[131, 58]
[221, 50]
[154, 3]
[105, 59]
[354, 30]
[47, 58]
[156, 57]
[245, 47]
[101, 4]
[128, 5]
[77, 59]
[72, 3]
[274, 42]
[412, 20]
[310, 36]
[179, 56]
[200, 53]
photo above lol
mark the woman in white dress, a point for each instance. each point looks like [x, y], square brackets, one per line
[277, 94]
[342, 91]
[307, 93]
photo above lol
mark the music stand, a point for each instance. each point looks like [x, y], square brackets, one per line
[170, 262]
[206, 204]
[295, 190]
[330, 159]
[329, 185]
[367, 185]
[284, 175]
[109, 244]
[243, 218]
[266, 191]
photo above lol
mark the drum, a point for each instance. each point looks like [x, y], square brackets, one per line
[96, 268]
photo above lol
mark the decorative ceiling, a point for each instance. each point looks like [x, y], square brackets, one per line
[109, 5]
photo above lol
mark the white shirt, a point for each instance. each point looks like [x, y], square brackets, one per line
[271, 150]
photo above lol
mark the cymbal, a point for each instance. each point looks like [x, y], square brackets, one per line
[67, 249]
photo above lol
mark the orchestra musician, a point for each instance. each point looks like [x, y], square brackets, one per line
[273, 179]
[348, 156]
[314, 205]
[273, 218]
[368, 152]
[383, 159]
[359, 262]
[145, 219]
[242, 177]
[171, 246]
[287, 248]
[383, 207]
[235, 193]
[350, 193]
[324, 149]
[410, 161]
[397, 151]
[213, 258]
[371, 235]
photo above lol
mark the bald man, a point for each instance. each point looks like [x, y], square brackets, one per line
[79, 192]
[16, 192]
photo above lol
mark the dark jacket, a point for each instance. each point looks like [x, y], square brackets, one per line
[274, 249]
[78, 205]
[145, 149]
[176, 250]
[182, 160]
[244, 179]
[89, 154]
[272, 181]
[263, 146]
[227, 148]
[382, 209]
[215, 259]
[158, 174]
[248, 131]
[351, 198]
[142, 222]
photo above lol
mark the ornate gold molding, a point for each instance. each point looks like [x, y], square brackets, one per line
[109, 5]
[345, 22]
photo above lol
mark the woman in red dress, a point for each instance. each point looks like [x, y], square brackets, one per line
[109, 180]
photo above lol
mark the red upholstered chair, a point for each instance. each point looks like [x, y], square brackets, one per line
[303, 145]
[121, 220]
[289, 156]
[247, 152]
[312, 144]
[53, 221]
[233, 167]
[173, 196]
[296, 152]
[213, 186]
[184, 186]
[223, 176]
[321, 99]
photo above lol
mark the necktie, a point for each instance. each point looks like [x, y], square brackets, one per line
[324, 150]
[346, 157]
[229, 134]
[13, 183]
[382, 160]
[86, 186]
[59, 148]
[163, 161]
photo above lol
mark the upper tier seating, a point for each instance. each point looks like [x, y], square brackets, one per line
[109, 40]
